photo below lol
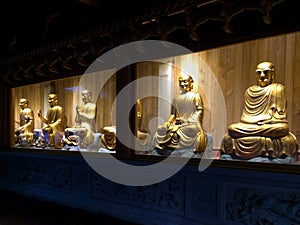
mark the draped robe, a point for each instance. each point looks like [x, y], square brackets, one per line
[27, 125]
[263, 128]
[86, 118]
[55, 125]
[185, 132]
[27, 120]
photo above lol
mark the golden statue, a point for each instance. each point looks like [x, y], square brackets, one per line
[86, 113]
[82, 135]
[108, 138]
[141, 135]
[25, 130]
[183, 129]
[54, 122]
[143, 143]
[86, 120]
[263, 129]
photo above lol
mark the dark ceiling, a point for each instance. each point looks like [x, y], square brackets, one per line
[46, 39]
[26, 25]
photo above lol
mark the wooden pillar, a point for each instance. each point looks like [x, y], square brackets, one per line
[5, 117]
[123, 107]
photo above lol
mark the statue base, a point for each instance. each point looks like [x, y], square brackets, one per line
[261, 159]
[186, 152]
[260, 149]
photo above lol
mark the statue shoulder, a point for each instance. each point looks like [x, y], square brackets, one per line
[278, 87]
[27, 110]
[92, 105]
[58, 108]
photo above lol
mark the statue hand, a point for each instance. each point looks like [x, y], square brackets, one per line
[167, 124]
[39, 113]
[21, 129]
[47, 128]
[179, 121]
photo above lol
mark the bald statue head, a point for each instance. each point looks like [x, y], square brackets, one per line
[265, 73]
[23, 103]
[185, 82]
[86, 96]
[53, 100]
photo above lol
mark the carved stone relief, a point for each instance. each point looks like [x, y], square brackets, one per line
[165, 196]
[32, 172]
[201, 199]
[260, 206]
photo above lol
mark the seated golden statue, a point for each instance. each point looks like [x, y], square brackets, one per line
[81, 136]
[183, 129]
[25, 131]
[86, 118]
[54, 122]
[263, 129]
[86, 113]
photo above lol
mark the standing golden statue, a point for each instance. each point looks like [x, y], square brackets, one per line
[263, 131]
[25, 130]
[183, 129]
[54, 122]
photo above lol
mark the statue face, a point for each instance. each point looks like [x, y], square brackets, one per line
[265, 74]
[185, 82]
[86, 98]
[23, 103]
[53, 100]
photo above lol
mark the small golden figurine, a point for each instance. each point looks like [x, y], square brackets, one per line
[108, 138]
[24, 133]
[183, 129]
[54, 122]
[263, 131]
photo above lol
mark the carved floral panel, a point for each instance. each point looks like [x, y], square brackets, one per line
[41, 173]
[263, 206]
[165, 196]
